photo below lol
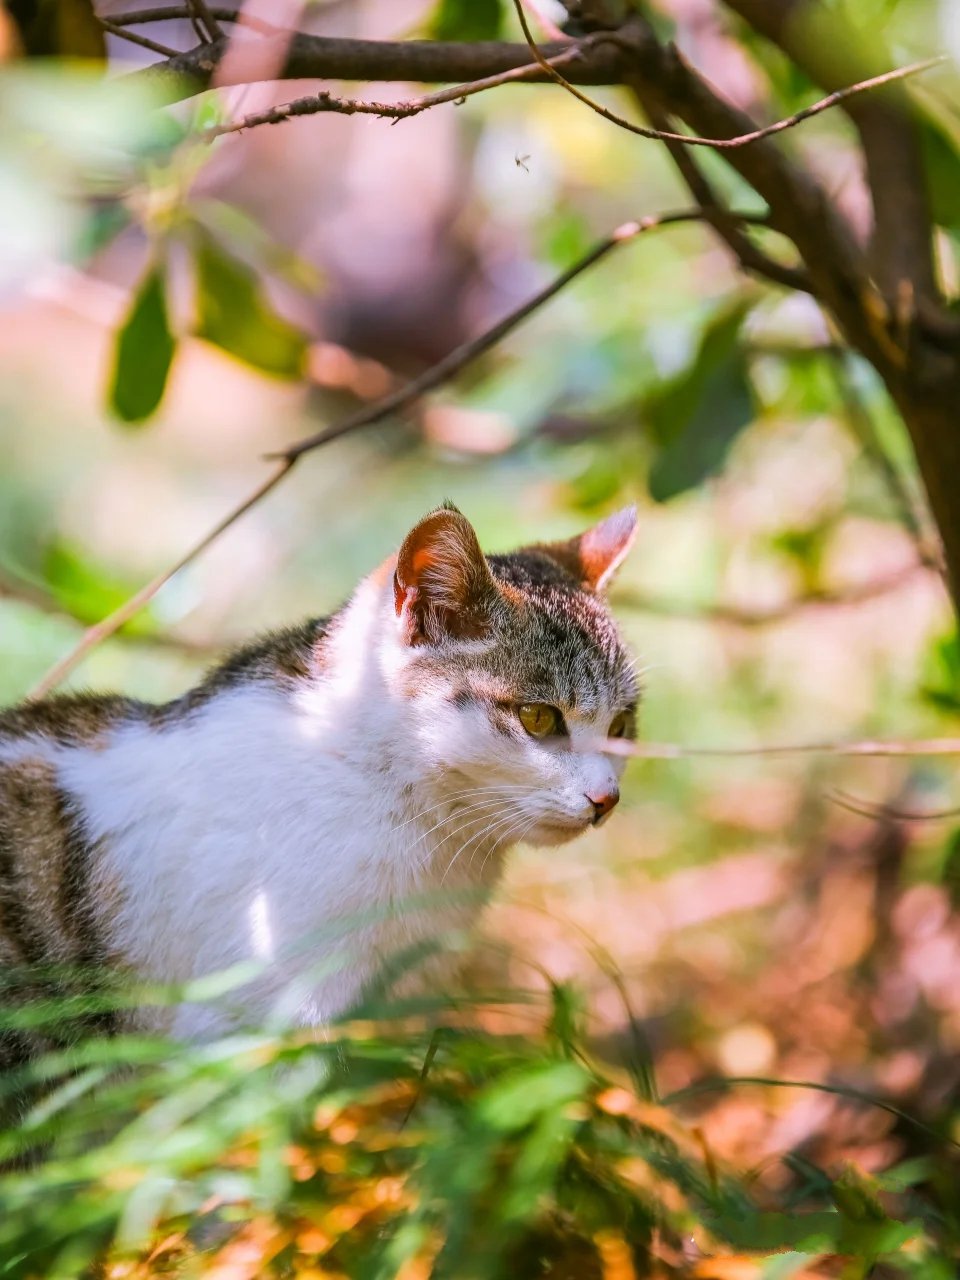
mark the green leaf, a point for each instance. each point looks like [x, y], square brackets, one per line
[466, 20]
[518, 1098]
[87, 591]
[234, 313]
[940, 160]
[144, 351]
[699, 414]
[227, 224]
[941, 682]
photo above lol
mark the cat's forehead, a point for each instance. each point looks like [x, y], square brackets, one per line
[551, 642]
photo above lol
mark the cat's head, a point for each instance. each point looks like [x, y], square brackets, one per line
[511, 673]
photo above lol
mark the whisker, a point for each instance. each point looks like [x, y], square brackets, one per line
[497, 788]
[501, 819]
[480, 804]
[532, 823]
[455, 798]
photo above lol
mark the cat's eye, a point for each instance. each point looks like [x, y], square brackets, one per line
[619, 725]
[539, 719]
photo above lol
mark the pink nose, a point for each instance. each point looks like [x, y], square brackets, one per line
[603, 803]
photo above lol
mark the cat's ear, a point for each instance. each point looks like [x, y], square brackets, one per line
[594, 557]
[443, 588]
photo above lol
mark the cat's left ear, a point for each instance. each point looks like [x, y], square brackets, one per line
[595, 556]
[443, 588]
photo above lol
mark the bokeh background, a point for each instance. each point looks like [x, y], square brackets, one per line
[787, 917]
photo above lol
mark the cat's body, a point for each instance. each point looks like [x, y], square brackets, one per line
[329, 796]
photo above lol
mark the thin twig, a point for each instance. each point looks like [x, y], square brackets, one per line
[840, 1090]
[168, 13]
[387, 405]
[750, 257]
[198, 29]
[743, 139]
[317, 103]
[134, 38]
[114, 621]
[207, 19]
[865, 747]
[469, 351]
[34, 597]
[886, 812]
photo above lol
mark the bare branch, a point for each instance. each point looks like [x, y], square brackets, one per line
[730, 230]
[132, 37]
[33, 597]
[827, 45]
[889, 813]
[318, 103]
[743, 139]
[112, 623]
[871, 747]
[308, 57]
[469, 351]
[207, 19]
[389, 404]
[169, 13]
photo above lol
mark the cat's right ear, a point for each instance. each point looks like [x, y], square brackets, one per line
[443, 588]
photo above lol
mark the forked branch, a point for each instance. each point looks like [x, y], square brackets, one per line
[740, 140]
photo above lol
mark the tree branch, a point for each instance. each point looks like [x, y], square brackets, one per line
[33, 597]
[827, 47]
[169, 13]
[389, 404]
[425, 61]
[750, 257]
[132, 37]
[470, 351]
[323, 102]
[876, 747]
[743, 139]
[799, 207]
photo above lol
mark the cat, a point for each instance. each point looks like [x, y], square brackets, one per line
[330, 795]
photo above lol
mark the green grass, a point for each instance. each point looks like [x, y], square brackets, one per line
[385, 1147]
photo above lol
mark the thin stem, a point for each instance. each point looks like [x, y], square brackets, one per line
[114, 621]
[839, 1090]
[168, 13]
[207, 19]
[469, 351]
[743, 139]
[134, 38]
[866, 747]
[323, 102]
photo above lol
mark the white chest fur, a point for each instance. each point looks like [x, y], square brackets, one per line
[257, 830]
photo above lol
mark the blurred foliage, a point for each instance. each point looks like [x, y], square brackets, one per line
[467, 20]
[233, 313]
[696, 416]
[281, 1156]
[57, 28]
